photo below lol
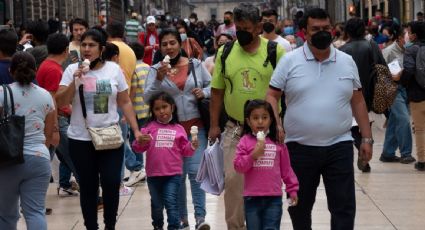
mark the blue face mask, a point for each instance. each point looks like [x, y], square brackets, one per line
[183, 37]
[288, 30]
[408, 44]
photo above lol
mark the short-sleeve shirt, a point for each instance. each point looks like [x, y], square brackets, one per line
[34, 103]
[127, 60]
[100, 94]
[246, 77]
[49, 75]
[318, 96]
[138, 81]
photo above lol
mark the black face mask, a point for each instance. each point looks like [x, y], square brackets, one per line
[321, 40]
[244, 37]
[226, 22]
[94, 62]
[268, 27]
[173, 61]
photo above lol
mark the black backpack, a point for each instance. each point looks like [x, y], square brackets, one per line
[271, 57]
[420, 66]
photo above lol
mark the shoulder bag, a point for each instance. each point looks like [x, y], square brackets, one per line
[103, 138]
[12, 133]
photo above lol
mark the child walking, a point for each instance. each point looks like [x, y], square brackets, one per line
[165, 143]
[265, 164]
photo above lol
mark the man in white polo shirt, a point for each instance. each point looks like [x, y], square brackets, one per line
[323, 92]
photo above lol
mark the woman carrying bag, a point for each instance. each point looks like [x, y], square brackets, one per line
[104, 90]
[27, 183]
[177, 79]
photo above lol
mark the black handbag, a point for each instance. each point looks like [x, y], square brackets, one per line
[12, 133]
[204, 105]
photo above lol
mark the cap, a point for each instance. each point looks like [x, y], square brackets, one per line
[150, 19]
[134, 14]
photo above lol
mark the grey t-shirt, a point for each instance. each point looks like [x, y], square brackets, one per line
[34, 103]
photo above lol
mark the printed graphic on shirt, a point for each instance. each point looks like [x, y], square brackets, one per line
[100, 103]
[267, 161]
[103, 87]
[250, 78]
[89, 84]
[165, 138]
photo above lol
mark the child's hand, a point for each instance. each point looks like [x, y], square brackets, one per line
[195, 143]
[293, 201]
[144, 139]
[258, 150]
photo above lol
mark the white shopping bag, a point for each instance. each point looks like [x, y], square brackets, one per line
[211, 169]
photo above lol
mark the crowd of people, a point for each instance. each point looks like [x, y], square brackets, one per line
[297, 94]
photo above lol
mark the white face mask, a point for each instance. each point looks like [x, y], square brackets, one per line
[294, 46]
[183, 37]
[406, 37]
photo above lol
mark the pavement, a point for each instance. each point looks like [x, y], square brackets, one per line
[391, 197]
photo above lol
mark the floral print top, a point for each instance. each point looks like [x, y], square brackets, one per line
[34, 103]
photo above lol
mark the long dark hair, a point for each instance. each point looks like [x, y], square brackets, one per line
[250, 105]
[163, 96]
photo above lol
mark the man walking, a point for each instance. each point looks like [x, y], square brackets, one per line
[323, 92]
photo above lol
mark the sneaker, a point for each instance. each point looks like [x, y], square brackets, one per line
[99, 203]
[135, 177]
[202, 225]
[157, 228]
[67, 192]
[389, 159]
[420, 166]
[407, 160]
[184, 226]
[49, 211]
[126, 191]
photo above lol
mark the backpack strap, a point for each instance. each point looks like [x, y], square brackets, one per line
[227, 48]
[271, 54]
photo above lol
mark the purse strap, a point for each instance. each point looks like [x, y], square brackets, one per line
[192, 70]
[83, 103]
[8, 90]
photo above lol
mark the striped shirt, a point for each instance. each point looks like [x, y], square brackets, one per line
[132, 29]
[138, 82]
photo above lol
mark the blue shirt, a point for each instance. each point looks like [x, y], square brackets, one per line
[5, 77]
[318, 96]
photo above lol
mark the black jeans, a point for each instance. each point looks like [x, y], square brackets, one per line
[90, 165]
[335, 164]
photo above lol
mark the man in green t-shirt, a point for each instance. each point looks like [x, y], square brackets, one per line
[246, 77]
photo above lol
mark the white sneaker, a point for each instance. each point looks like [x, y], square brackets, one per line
[135, 177]
[63, 192]
[126, 191]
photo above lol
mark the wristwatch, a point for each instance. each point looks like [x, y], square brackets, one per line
[367, 140]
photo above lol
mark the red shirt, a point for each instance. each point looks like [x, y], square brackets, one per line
[48, 76]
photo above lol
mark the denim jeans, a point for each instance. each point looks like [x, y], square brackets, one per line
[134, 162]
[191, 166]
[25, 184]
[164, 193]
[263, 212]
[335, 164]
[398, 133]
[66, 167]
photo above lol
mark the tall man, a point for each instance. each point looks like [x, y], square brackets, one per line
[246, 77]
[323, 92]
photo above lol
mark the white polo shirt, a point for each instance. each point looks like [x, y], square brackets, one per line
[318, 96]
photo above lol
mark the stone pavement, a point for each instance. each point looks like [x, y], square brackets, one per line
[391, 197]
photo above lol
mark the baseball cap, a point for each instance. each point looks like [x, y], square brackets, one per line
[150, 19]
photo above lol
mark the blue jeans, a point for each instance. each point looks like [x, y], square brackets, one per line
[164, 193]
[191, 166]
[263, 212]
[398, 133]
[25, 184]
[134, 162]
[66, 167]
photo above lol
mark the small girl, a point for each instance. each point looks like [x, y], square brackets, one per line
[265, 164]
[165, 143]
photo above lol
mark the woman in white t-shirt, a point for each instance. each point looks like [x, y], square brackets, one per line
[105, 90]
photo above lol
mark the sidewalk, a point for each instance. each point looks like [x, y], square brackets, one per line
[391, 197]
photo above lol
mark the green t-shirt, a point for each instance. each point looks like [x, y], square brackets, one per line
[246, 77]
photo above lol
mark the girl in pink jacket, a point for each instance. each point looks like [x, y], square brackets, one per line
[165, 143]
[265, 164]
